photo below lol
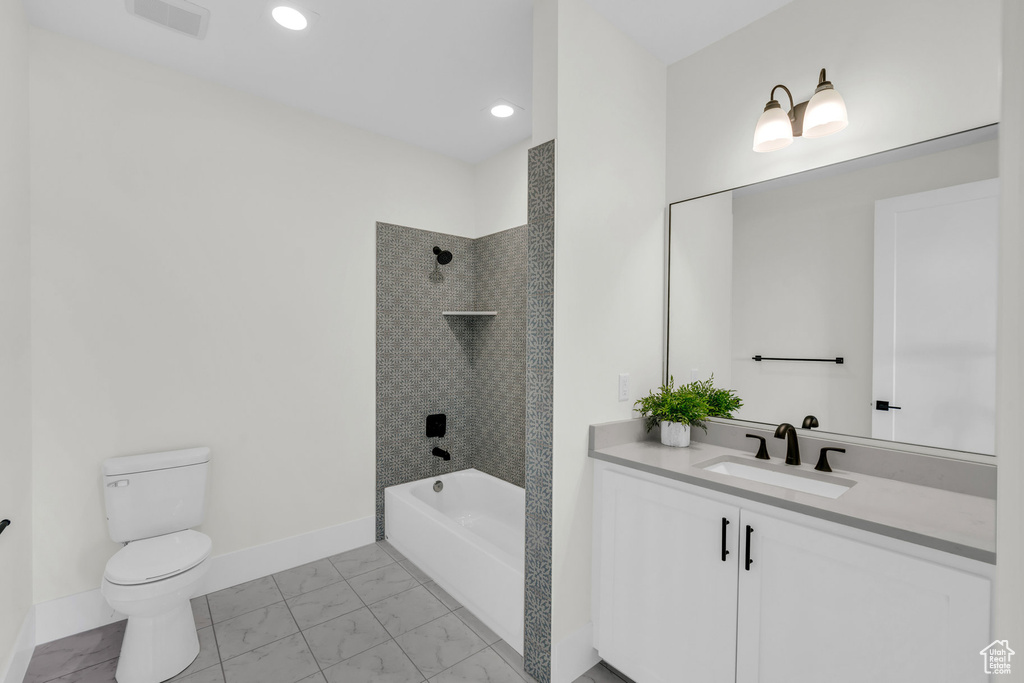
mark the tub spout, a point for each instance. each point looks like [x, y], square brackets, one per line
[441, 453]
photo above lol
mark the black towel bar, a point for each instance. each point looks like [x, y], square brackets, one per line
[838, 360]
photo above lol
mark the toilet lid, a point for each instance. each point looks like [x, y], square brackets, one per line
[160, 557]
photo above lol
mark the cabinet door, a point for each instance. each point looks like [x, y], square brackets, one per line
[666, 599]
[817, 607]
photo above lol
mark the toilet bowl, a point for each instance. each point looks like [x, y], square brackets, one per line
[152, 501]
[152, 583]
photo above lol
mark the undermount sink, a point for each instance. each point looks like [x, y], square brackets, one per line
[818, 485]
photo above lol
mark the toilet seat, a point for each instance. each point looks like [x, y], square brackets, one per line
[157, 558]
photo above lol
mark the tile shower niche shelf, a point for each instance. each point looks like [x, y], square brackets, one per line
[477, 314]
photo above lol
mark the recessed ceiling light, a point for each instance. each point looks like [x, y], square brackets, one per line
[502, 111]
[289, 17]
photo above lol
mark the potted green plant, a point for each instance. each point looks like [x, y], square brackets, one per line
[676, 410]
[721, 402]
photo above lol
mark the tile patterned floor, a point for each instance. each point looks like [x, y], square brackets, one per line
[365, 616]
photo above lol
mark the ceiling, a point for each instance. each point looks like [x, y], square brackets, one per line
[674, 29]
[423, 71]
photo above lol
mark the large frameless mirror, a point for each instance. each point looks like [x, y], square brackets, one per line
[862, 294]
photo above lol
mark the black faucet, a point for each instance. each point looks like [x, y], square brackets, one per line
[788, 432]
[441, 453]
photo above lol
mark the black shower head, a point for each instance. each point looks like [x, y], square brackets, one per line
[443, 257]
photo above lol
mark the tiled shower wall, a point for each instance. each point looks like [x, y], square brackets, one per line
[423, 359]
[499, 360]
[472, 369]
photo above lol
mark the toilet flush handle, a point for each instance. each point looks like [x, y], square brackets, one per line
[119, 483]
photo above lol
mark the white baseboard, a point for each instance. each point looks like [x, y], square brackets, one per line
[72, 614]
[252, 563]
[573, 656]
[21, 654]
[83, 611]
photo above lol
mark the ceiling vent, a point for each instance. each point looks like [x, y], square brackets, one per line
[177, 15]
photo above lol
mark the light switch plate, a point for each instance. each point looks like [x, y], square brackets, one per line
[624, 386]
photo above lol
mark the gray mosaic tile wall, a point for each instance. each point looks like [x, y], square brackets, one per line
[472, 369]
[423, 359]
[499, 356]
[539, 394]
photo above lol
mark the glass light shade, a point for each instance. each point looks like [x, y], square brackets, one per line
[825, 114]
[289, 17]
[774, 131]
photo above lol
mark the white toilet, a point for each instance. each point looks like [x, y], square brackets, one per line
[152, 501]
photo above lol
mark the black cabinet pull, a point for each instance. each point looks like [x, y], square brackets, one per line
[725, 552]
[750, 530]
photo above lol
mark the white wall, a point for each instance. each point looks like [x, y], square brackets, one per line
[501, 190]
[700, 290]
[15, 433]
[1009, 584]
[609, 275]
[909, 70]
[203, 273]
[545, 71]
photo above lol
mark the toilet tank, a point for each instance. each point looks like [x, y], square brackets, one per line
[156, 493]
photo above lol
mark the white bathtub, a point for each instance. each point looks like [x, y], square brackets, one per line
[469, 539]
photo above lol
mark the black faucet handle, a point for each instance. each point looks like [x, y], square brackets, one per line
[822, 465]
[762, 449]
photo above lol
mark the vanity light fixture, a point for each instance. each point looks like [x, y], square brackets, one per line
[823, 114]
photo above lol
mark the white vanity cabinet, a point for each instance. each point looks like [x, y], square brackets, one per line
[666, 595]
[817, 602]
[815, 606]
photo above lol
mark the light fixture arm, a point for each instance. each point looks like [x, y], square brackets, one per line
[772, 97]
[823, 83]
[796, 111]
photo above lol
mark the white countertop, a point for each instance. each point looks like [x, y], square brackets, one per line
[944, 520]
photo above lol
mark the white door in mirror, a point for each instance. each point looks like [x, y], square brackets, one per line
[934, 354]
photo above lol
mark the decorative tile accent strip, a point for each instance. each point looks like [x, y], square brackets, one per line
[541, 182]
[539, 395]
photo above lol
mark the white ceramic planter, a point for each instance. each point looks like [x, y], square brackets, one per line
[675, 434]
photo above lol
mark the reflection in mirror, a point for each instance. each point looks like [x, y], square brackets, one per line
[887, 262]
